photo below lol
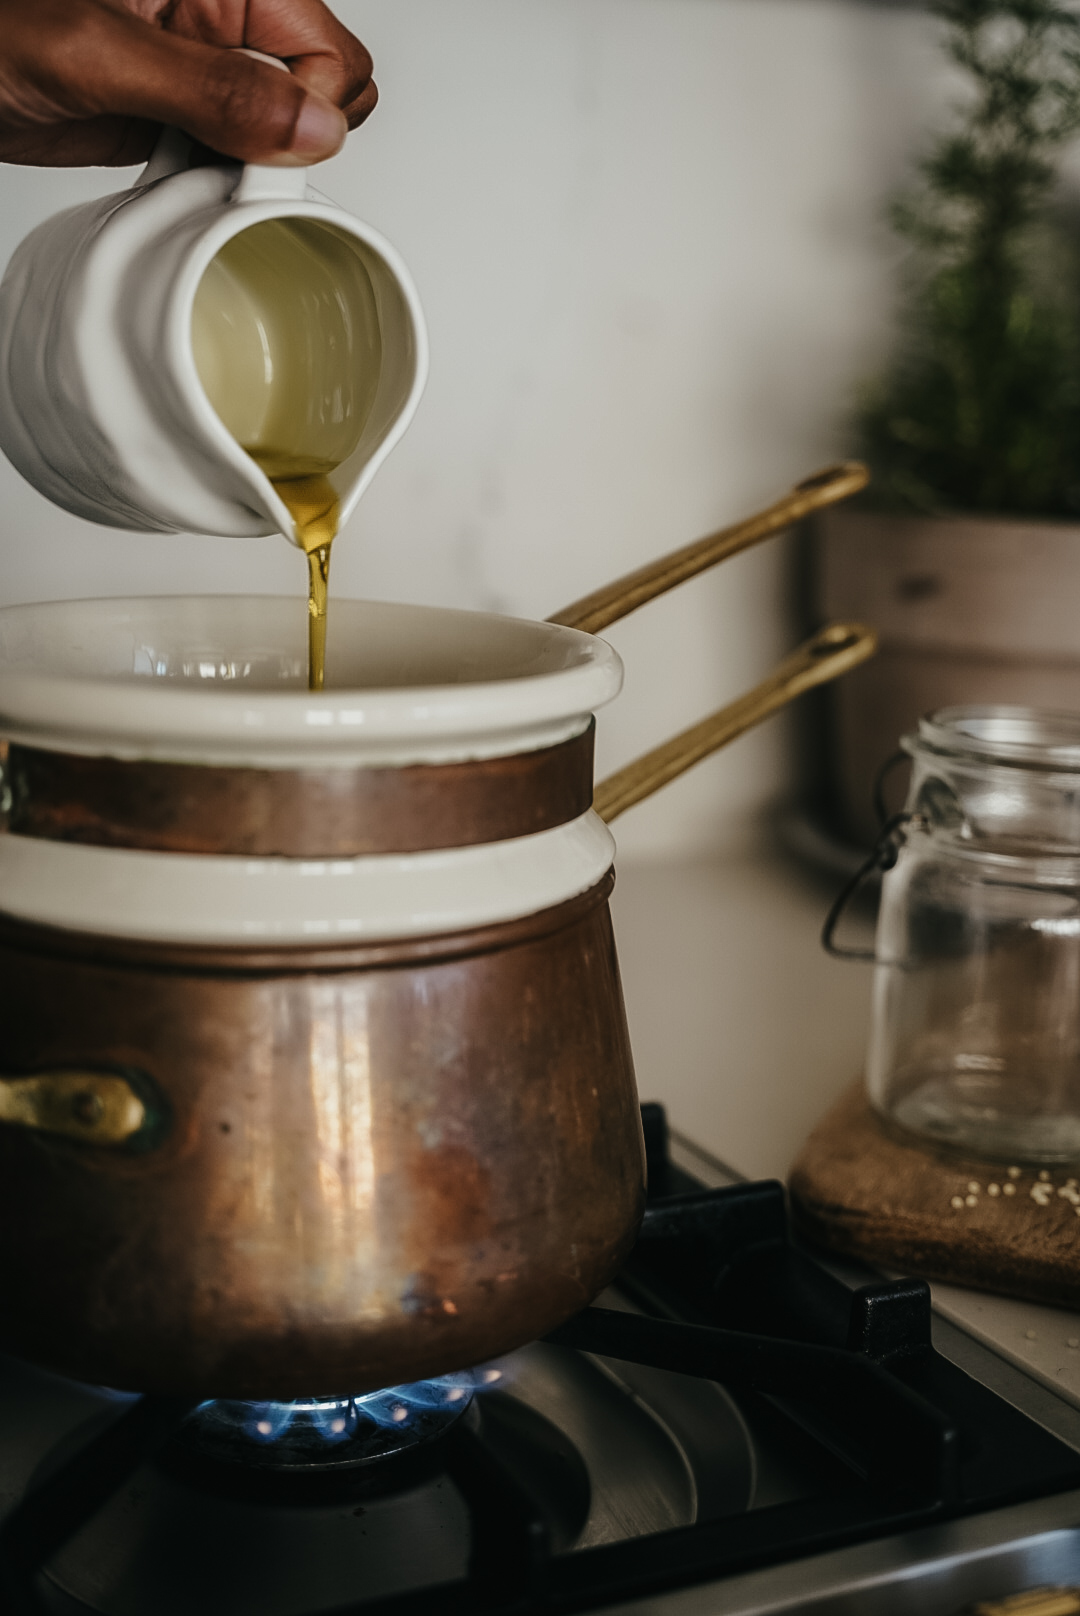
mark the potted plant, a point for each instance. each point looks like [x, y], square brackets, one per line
[965, 554]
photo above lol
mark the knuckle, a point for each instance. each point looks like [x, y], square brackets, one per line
[362, 106]
[362, 65]
[358, 67]
[245, 100]
[229, 89]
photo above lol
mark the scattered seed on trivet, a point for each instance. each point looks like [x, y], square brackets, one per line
[1042, 1191]
[1029, 1335]
[1073, 1342]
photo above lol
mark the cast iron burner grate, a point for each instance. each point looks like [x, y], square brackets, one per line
[892, 1435]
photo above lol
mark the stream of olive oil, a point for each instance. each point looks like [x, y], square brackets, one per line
[286, 339]
[312, 503]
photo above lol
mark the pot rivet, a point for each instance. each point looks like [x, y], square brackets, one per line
[87, 1107]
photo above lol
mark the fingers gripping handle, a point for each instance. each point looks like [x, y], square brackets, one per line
[258, 182]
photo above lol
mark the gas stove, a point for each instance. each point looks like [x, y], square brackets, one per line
[738, 1426]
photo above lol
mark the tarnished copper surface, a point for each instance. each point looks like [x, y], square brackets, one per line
[311, 813]
[371, 1174]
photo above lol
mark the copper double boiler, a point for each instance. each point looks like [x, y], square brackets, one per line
[315, 1069]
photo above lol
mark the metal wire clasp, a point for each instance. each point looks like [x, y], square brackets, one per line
[886, 850]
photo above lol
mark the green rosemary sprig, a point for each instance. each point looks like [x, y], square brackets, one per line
[980, 409]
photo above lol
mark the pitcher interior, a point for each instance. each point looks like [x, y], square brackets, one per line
[286, 339]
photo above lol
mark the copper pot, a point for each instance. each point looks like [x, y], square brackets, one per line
[317, 1070]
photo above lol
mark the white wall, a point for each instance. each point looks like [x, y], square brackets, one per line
[648, 237]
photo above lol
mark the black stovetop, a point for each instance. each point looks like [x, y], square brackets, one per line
[838, 1423]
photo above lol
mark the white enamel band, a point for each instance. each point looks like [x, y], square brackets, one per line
[190, 898]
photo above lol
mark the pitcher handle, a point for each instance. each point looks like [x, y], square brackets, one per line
[604, 606]
[171, 155]
[832, 651]
[258, 182]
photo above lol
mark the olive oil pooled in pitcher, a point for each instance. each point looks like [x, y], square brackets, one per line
[285, 335]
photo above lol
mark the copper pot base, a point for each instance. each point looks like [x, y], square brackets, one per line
[372, 1173]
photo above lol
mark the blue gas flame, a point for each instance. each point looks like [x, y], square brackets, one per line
[336, 1419]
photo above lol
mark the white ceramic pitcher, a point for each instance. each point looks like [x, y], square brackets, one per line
[101, 405]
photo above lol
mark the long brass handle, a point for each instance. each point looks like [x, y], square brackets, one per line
[99, 1108]
[829, 653]
[604, 606]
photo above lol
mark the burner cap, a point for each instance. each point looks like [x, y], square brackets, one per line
[313, 1445]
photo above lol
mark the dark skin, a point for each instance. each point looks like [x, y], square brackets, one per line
[92, 81]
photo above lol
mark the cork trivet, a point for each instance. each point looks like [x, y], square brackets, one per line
[857, 1190]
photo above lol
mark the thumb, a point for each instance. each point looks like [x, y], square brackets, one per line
[240, 107]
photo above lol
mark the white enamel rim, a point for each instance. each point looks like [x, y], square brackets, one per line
[187, 898]
[131, 717]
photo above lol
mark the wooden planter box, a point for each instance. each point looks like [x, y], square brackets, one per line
[969, 609]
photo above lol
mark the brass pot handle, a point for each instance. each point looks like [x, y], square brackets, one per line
[605, 606]
[829, 653]
[96, 1107]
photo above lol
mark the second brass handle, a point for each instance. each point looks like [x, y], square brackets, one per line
[826, 655]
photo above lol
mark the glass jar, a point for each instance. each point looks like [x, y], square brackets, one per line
[975, 1034]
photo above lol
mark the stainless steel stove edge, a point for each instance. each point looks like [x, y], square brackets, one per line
[936, 1571]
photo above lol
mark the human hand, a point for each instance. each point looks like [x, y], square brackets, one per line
[91, 81]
